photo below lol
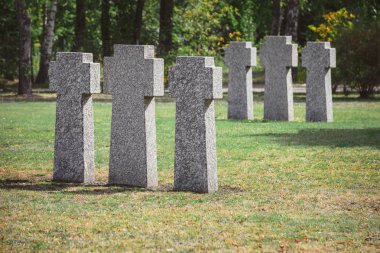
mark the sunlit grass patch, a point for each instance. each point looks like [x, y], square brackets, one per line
[283, 186]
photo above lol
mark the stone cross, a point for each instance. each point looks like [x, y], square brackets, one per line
[278, 55]
[318, 58]
[195, 82]
[239, 58]
[134, 77]
[74, 77]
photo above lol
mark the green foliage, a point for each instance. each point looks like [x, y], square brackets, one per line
[93, 40]
[312, 13]
[334, 23]
[123, 23]
[8, 40]
[198, 27]
[262, 19]
[201, 27]
[64, 28]
[358, 57]
[151, 23]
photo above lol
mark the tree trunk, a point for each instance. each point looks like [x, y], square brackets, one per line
[291, 27]
[24, 22]
[105, 28]
[47, 44]
[31, 60]
[165, 43]
[125, 22]
[138, 21]
[44, 15]
[80, 25]
[366, 91]
[276, 17]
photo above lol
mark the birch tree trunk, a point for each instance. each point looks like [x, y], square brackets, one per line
[291, 27]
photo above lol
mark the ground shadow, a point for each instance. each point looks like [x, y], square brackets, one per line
[71, 188]
[328, 137]
[93, 189]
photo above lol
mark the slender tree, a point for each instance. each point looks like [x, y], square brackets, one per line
[138, 21]
[165, 43]
[105, 28]
[80, 25]
[276, 17]
[47, 43]
[291, 27]
[24, 23]
[44, 15]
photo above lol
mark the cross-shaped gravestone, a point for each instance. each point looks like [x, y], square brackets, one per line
[74, 77]
[318, 58]
[239, 58]
[134, 77]
[195, 82]
[278, 55]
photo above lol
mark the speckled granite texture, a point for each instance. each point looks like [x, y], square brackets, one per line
[318, 58]
[239, 57]
[278, 55]
[134, 77]
[195, 82]
[74, 77]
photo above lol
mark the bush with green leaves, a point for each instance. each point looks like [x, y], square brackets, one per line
[358, 58]
[200, 27]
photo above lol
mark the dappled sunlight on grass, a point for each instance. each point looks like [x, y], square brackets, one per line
[283, 186]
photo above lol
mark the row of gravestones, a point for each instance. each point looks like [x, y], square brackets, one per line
[134, 78]
[278, 56]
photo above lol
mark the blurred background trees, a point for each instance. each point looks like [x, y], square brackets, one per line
[184, 27]
[359, 59]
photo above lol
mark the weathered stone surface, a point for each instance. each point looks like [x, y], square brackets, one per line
[74, 77]
[195, 82]
[239, 58]
[318, 58]
[134, 77]
[278, 55]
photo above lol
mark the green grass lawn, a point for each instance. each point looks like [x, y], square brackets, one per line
[283, 186]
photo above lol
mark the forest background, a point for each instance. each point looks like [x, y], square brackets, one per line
[34, 30]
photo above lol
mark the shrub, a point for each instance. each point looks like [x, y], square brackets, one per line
[358, 58]
[334, 23]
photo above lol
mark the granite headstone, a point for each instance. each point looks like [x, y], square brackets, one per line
[278, 55]
[134, 77]
[318, 58]
[195, 82]
[240, 57]
[74, 77]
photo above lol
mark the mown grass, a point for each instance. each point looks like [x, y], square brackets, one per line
[284, 186]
